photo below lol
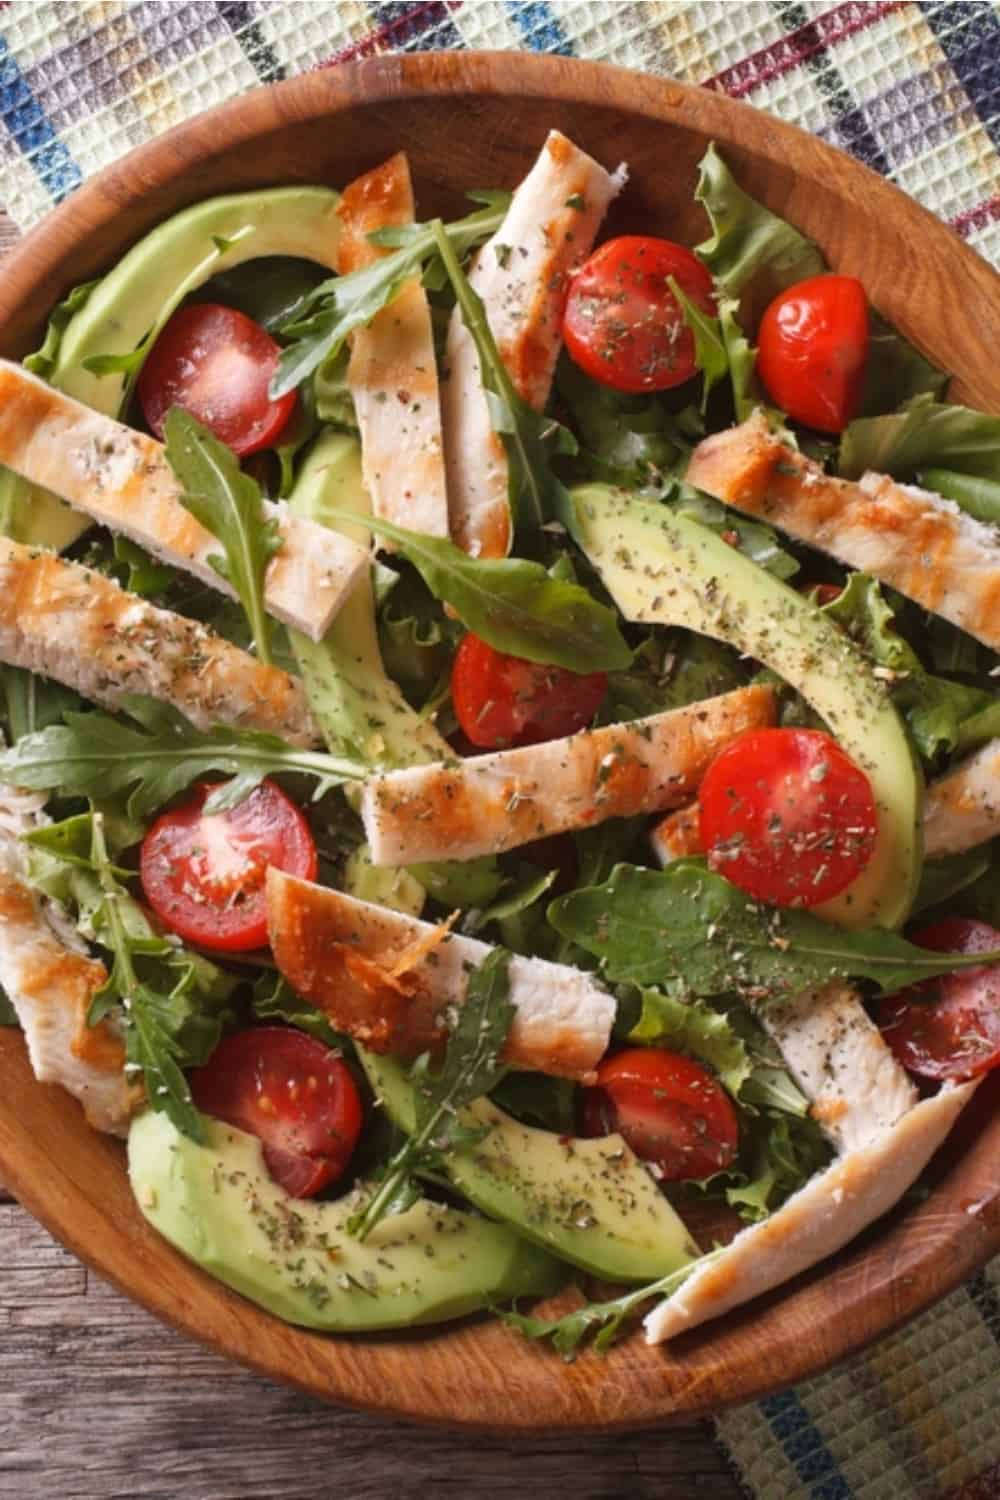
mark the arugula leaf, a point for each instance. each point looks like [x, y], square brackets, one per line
[138, 572]
[528, 436]
[688, 926]
[749, 247]
[166, 1029]
[471, 1067]
[44, 360]
[896, 371]
[8, 1015]
[710, 352]
[513, 604]
[271, 289]
[943, 878]
[537, 1099]
[514, 904]
[568, 1333]
[158, 755]
[925, 434]
[343, 303]
[273, 999]
[228, 503]
[935, 708]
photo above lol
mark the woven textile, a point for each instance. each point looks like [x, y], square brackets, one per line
[911, 89]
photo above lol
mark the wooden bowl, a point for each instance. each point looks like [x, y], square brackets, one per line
[472, 120]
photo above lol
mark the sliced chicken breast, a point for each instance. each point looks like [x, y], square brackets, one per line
[924, 546]
[80, 628]
[963, 807]
[50, 982]
[521, 276]
[392, 373]
[827, 1213]
[122, 479]
[835, 1052]
[489, 803]
[386, 979]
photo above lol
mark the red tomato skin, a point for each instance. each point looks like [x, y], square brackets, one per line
[623, 325]
[502, 701]
[225, 910]
[291, 1091]
[670, 1110]
[822, 593]
[813, 350]
[956, 1035]
[216, 363]
[787, 816]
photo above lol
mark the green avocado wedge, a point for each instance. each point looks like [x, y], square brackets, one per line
[218, 1205]
[591, 1202]
[140, 293]
[665, 569]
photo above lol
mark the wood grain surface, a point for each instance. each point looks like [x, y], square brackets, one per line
[467, 119]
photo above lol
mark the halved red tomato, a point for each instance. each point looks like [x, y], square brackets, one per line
[292, 1092]
[204, 873]
[948, 1027]
[504, 700]
[217, 364]
[787, 816]
[669, 1109]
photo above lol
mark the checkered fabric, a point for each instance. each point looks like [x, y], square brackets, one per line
[911, 89]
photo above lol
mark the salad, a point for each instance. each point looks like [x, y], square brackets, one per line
[502, 763]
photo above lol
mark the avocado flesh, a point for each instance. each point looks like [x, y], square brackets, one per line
[590, 1202]
[142, 291]
[664, 569]
[218, 1205]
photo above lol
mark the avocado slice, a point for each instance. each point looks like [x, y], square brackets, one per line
[142, 291]
[665, 569]
[218, 1205]
[590, 1202]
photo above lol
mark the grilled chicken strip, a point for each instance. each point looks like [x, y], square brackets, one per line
[50, 982]
[80, 628]
[386, 979]
[392, 373]
[521, 276]
[122, 479]
[917, 542]
[489, 803]
[832, 1208]
[963, 807]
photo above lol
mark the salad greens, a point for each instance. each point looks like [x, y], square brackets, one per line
[156, 753]
[688, 926]
[228, 503]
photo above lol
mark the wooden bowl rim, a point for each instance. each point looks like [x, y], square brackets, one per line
[915, 1261]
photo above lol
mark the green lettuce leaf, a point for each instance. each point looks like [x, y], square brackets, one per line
[44, 360]
[896, 371]
[926, 434]
[273, 999]
[271, 289]
[694, 1027]
[974, 493]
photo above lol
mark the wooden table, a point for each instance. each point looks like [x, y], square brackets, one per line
[99, 1401]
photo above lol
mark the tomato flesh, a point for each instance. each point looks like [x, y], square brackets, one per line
[787, 816]
[669, 1109]
[204, 873]
[294, 1093]
[623, 325]
[503, 700]
[813, 350]
[948, 1027]
[217, 364]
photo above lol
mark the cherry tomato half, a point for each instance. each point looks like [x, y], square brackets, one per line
[204, 873]
[216, 363]
[813, 350]
[503, 700]
[292, 1092]
[948, 1027]
[622, 323]
[787, 816]
[670, 1110]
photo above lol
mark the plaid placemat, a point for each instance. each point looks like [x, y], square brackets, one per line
[911, 89]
